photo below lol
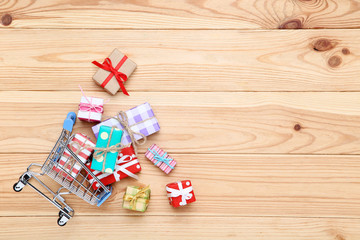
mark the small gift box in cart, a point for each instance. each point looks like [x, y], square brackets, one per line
[83, 147]
[127, 165]
[78, 185]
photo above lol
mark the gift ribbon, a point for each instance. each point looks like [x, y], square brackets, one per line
[122, 168]
[184, 193]
[118, 168]
[162, 158]
[89, 107]
[119, 76]
[123, 119]
[102, 152]
[133, 198]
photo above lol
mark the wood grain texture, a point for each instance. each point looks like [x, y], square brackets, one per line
[182, 14]
[241, 185]
[264, 120]
[184, 60]
[177, 227]
[198, 122]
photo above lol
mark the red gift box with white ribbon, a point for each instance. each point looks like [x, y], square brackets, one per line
[127, 165]
[67, 166]
[180, 193]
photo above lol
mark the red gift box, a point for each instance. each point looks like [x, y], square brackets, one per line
[127, 165]
[180, 193]
[67, 166]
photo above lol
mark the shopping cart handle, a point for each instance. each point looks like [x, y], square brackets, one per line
[104, 195]
[69, 121]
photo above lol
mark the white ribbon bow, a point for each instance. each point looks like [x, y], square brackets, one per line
[122, 168]
[184, 193]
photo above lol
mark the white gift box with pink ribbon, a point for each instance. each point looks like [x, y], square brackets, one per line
[91, 109]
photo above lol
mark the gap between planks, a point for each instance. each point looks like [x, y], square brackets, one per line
[182, 216]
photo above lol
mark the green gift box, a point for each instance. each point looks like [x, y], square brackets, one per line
[103, 160]
[137, 198]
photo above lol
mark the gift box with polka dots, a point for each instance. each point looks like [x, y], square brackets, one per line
[108, 136]
[180, 193]
[127, 165]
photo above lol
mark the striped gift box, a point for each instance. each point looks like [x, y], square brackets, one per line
[67, 166]
[141, 120]
[160, 158]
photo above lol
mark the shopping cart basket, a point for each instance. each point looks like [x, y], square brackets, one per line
[63, 175]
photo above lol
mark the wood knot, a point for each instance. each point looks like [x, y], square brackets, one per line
[323, 44]
[6, 19]
[339, 237]
[297, 127]
[345, 51]
[334, 61]
[291, 24]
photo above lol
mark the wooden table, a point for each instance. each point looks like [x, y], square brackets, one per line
[258, 101]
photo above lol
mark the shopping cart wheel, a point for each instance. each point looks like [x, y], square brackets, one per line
[62, 220]
[18, 186]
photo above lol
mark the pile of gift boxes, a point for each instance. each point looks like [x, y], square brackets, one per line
[114, 155]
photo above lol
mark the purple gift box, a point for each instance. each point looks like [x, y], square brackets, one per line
[141, 120]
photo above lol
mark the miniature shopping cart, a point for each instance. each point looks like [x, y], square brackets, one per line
[78, 185]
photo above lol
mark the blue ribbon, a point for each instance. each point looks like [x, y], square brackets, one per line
[162, 158]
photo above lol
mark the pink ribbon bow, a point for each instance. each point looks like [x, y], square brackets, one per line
[90, 107]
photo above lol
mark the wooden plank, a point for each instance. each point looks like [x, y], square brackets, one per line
[321, 60]
[177, 227]
[181, 14]
[277, 122]
[224, 185]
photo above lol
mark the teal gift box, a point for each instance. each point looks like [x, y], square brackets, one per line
[108, 136]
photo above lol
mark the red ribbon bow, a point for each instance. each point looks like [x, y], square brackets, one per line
[119, 76]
